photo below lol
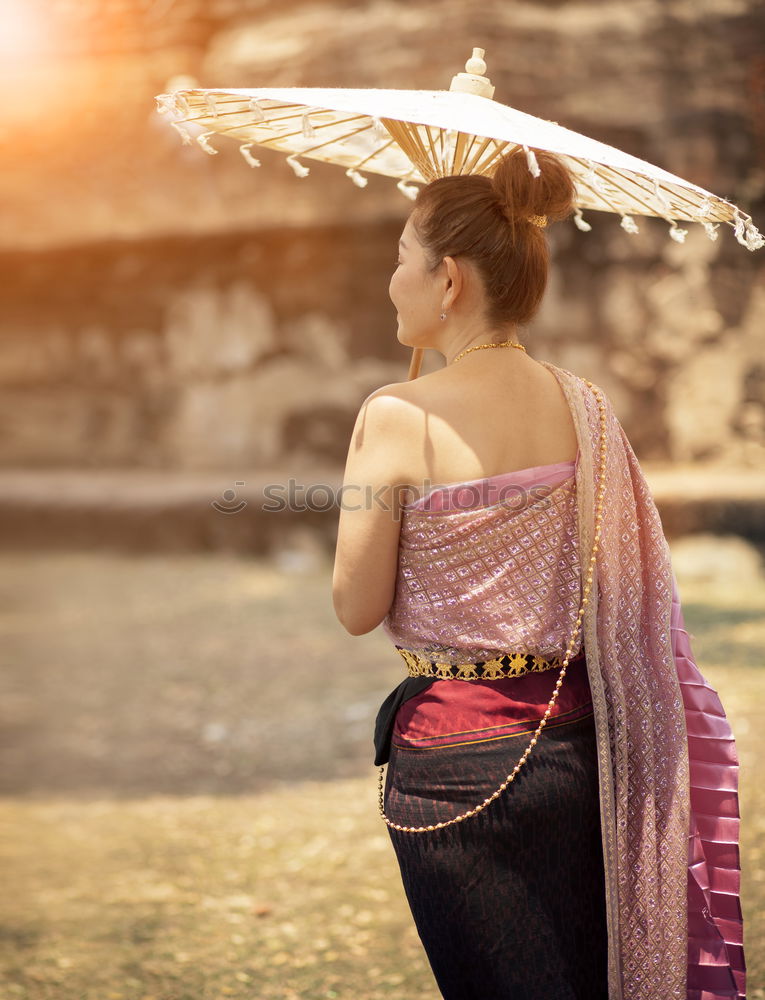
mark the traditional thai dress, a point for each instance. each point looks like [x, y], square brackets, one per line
[609, 868]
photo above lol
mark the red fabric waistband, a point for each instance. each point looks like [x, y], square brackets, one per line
[455, 712]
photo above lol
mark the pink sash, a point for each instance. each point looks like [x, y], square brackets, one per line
[715, 923]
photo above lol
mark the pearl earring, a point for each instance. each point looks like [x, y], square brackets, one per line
[443, 315]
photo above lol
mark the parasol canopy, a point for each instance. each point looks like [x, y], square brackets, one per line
[419, 135]
[416, 136]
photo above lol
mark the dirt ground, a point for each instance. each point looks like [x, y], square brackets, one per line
[190, 674]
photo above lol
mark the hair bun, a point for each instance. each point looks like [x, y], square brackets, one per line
[525, 196]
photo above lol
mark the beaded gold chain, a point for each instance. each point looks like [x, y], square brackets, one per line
[480, 347]
[585, 601]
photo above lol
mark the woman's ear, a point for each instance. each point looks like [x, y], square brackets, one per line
[455, 278]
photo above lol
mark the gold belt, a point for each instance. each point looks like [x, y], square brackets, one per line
[507, 665]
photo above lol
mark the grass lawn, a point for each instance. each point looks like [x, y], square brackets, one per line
[189, 807]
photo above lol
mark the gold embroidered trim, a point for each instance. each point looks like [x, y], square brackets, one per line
[507, 665]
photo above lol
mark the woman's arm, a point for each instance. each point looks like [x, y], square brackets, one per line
[366, 558]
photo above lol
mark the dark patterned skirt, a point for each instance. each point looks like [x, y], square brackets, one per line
[509, 904]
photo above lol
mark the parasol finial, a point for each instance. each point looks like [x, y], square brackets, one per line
[473, 81]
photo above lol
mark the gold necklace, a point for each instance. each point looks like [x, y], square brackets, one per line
[585, 601]
[480, 347]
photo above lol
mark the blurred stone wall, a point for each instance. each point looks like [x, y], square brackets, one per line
[167, 308]
[213, 352]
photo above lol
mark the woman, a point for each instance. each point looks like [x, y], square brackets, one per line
[561, 786]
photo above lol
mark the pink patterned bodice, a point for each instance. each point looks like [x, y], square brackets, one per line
[490, 565]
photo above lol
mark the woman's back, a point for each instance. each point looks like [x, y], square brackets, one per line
[501, 412]
[491, 564]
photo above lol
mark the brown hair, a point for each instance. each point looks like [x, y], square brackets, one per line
[486, 219]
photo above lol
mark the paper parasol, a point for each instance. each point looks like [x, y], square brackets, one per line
[418, 135]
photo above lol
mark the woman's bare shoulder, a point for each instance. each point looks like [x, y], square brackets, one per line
[412, 393]
[393, 409]
[431, 391]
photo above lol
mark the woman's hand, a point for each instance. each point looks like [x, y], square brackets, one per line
[374, 487]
